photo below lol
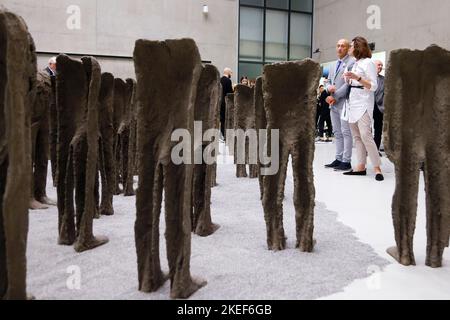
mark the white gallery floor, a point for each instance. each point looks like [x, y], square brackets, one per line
[353, 229]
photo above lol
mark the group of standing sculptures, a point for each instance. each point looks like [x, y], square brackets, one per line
[95, 122]
[95, 127]
[94, 131]
[83, 121]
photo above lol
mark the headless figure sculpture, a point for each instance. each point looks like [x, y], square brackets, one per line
[106, 144]
[261, 124]
[417, 116]
[77, 102]
[167, 78]
[244, 119]
[17, 90]
[40, 141]
[289, 100]
[206, 112]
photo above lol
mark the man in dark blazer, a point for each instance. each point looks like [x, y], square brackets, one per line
[51, 68]
[227, 87]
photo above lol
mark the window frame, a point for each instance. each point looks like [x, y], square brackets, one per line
[265, 8]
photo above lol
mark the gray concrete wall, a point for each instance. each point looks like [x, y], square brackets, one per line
[110, 27]
[411, 24]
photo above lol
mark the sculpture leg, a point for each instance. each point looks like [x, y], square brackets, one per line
[436, 186]
[97, 193]
[34, 203]
[148, 210]
[129, 184]
[261, 183]
[79, 147]
[304, 193]
[214, 175]
[41, 164]
[253, 171]
[3, 265]
[253, 168]
[260, 165]
[178, 232]
[107, 176]
[84, 210]
[241, 169]
[13, 242]
[273, 203]
[404, 208]
[118, 166]
[203, 225]
[124, 158]
[53, 119]
[197, 194]
[66, 210]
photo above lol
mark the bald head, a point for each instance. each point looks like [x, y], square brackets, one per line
[342, 48]
[227, 72]
[52, 64]
[379, 65]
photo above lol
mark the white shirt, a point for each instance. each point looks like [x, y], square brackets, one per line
[362, 100]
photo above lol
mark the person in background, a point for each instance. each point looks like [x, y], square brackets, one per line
[244, 81]
[318, 107]
[379, 106]
[338, 89]
[325, 117]
[359, 111]
[51, 68]
[252, 83]
[227, 87]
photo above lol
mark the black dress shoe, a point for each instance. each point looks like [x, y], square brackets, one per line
[379, 177]
[344, 166]
[356, 173]
[334, 164]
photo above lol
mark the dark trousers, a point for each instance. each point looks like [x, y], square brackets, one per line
[378, 126]
[325, 118]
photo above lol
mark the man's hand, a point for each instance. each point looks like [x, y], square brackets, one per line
[332, 89]
[331, 101]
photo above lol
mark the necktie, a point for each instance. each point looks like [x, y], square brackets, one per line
[338, 66]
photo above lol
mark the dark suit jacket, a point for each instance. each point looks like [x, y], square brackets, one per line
[227, 87]
[324, 106]
[379, 94]
[50, 72]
